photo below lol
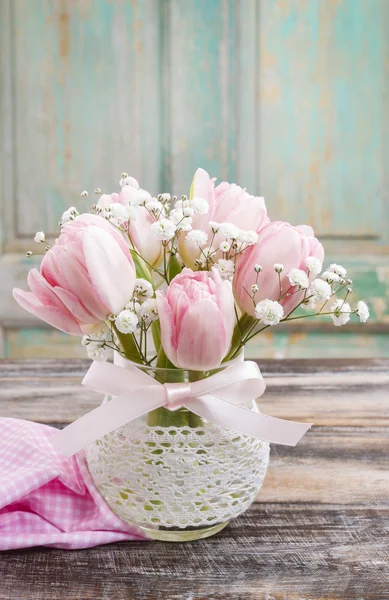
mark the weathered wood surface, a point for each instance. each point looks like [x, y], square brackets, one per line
[319, 529]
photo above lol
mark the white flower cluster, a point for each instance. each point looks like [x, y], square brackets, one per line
[141, 311]
[118, 213]
[69, 215]
[234, 233]
[169, 221]
[269, 312]
[96, 343]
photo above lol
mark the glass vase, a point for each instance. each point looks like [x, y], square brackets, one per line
[175, 475]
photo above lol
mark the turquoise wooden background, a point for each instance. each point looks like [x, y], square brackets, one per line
[287, 97]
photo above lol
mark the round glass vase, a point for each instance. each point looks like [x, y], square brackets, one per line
[175, 475]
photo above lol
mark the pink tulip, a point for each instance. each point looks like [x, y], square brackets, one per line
[144, 239]
[87, 275]
[197, 319]
[228, 203]
[278, 243]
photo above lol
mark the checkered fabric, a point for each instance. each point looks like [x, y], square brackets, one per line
[47, 499]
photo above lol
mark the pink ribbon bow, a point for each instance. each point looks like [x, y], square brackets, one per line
[215, 399]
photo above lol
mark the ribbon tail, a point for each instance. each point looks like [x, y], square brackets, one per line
[245, 421]
[106, 418]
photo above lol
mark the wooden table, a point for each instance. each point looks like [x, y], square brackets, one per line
[319, 529]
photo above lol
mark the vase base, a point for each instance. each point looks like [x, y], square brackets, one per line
[183, 535]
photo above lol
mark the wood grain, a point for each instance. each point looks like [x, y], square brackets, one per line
[318, 531]
[273, 552]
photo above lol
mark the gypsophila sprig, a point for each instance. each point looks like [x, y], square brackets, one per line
[314, 265]
[40, 237]
[298, 278]
[269, 312]
[341, 313]
[164, 229]
[320, 289]
[362, 311]
[126, 321]
[196, 238]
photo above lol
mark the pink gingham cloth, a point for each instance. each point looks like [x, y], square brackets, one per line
[47, 499]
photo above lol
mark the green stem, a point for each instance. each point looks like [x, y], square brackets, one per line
[129, 346]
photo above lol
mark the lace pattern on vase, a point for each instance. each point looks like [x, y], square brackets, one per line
[177, 476]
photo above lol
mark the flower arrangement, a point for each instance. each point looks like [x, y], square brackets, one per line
[205, 273]
[176, 287]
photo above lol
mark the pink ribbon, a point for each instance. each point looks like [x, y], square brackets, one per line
[215, 399]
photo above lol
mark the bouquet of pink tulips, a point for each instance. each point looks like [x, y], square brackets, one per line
[203, 274]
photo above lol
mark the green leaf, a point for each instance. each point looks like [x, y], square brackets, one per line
[142, 270]
[174, 267]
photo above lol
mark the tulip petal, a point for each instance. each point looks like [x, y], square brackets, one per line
[145, 240]
[168, 330]
[111, 272]
[50, 314]
[75, 278]
[75, 307]
[194, 350]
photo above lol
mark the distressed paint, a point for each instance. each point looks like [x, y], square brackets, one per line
[323, 125]
[87, 102]
[203, 77]
[272, 94]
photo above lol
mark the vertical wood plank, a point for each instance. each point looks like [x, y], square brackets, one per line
[323, 125]
[86, 95]
[203, 87]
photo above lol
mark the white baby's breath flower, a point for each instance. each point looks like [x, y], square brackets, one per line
[143, 289]
[69, 215]
[248, 237]
[310, 303]
[278, 267]
[206, 255]
[338, 269]
[320, 289]
[40, 237]
[258, 268]
[225, 246]
[298, 278]
[330, 277]
[164, 229]
[341, 313]
[119, 213]
[188, 211]
[229, 230]
[314, 265]
[181, 204]
[362, 311]
[126, 321]
[199, 205]
[97, 352]
[196, 238]
[225, 267]
[148, 311]
[154, 205]
[95, 343]
[214, 226]
[254, 288]
[180, 220]
[128, 180]
[165, 197]
[269, 312]
[139, 197]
